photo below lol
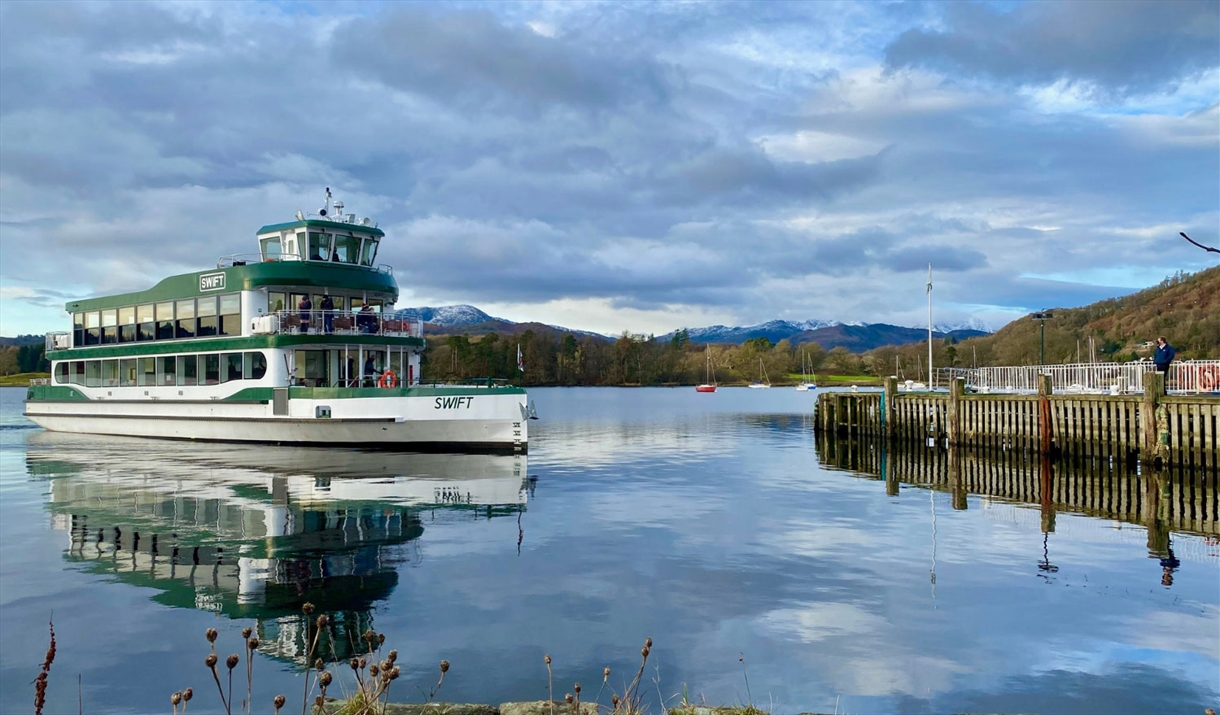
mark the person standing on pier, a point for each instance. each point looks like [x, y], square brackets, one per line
[1164, 355]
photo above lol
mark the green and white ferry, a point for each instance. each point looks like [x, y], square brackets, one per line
[295, 344]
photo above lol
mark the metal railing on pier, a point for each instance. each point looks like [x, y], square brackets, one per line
[336, 322]
[1185, 376]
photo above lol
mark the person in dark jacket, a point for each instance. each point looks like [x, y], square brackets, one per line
[1164, 355]
[328, 314]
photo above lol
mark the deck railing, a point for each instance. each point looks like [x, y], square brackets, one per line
[60, 340]
[1185, 376]
[241, 259]
[336, 322]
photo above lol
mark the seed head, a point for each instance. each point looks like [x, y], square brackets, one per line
[211, 634]
[444, 666]
[231, 661]
[210, 661]
[380, 638]
[279, 701]
[614, 700]
[307, 608]
[363, 663]
[374, 670]
[187, 695]
[254, 644]
[644, 651]
[325, 678]
[323, 620]
[318, 664]
[394, 672]
[547, 658]
[175, 698]
[355, 663]
[606, 672]
[568, 698]
[245, 632]
[576, 688]
[648, 642]
[392, 656]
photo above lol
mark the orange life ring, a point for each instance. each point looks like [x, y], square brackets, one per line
[1208, 378]
[387, 379]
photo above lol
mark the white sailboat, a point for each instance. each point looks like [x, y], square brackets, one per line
[806, 384]
[765, 382]
[709, 384]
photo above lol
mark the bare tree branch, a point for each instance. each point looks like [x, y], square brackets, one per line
[1200, 245]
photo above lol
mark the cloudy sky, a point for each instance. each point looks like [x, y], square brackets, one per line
[621, 166]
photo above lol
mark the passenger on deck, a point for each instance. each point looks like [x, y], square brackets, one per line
[306, 308]
[370, 372]
[367, 319]
[328, 314]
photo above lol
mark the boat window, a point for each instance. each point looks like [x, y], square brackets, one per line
[254, 366]
[78, 329]
[93, 373]
[230, 314]
[147, 371]
[78, 372]
[290, 248]
[188, 372]
[209, 322]
[319, 246]
[127, 373]
[166, 367]
[110, 373]
[165, 320]
[110, 326]
[61, 373]
[93, 328]
[369, 253]
[270, 248]
[127, 324]
[211, 369]
[275, 302]
[145, 325]
[230, 367]
[347, 249]
[185, 323]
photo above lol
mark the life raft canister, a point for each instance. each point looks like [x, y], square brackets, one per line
[387, 379]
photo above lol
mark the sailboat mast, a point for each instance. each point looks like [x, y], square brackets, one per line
[930, 382]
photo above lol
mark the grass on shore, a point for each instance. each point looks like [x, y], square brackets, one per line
[825, 380]
[21, 379]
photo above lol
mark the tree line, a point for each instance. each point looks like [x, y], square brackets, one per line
[24, 358]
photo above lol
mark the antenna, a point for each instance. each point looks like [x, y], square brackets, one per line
[300, 216]
[322, 211]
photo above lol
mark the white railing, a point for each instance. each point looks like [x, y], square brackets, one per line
[335, 322]
[241, 259]
[1185, 376]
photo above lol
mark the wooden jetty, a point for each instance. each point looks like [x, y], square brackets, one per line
[1155, 428]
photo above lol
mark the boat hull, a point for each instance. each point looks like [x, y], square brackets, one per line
[705, 388]
[474, 421]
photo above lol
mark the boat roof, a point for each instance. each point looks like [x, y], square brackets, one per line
[322, 223]
[250, 277]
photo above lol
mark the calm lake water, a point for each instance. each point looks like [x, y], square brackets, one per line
[706, 522]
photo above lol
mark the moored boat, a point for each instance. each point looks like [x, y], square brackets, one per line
[709, 384]
[294, 344]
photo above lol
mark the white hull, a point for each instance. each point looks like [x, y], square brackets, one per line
[481, 421]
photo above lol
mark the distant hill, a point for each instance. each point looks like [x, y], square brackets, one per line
[774, 330]
[22, 340]
[1184, 308]
[861, 338]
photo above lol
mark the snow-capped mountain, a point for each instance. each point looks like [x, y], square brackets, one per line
[972, 324]
[450, 316]
[773, 330]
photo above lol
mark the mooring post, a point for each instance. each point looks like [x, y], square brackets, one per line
[1154, 389]
[887, 407]
[956, 487]
[1045, 389]
[953, 416]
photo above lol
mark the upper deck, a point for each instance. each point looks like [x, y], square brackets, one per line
[321, 268]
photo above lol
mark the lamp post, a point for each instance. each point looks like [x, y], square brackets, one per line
[1042, 318]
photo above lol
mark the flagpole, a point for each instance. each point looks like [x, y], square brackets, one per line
[931, 384]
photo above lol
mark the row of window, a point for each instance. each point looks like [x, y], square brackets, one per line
[320, 247]
[209, 316]
[163, 370]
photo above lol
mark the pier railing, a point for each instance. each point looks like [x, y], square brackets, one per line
[1153, 427]
[1185, 376]
[336, 322]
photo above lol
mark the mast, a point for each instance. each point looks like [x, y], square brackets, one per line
[930, 383]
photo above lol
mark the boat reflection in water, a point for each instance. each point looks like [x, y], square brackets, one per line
[256, 531]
